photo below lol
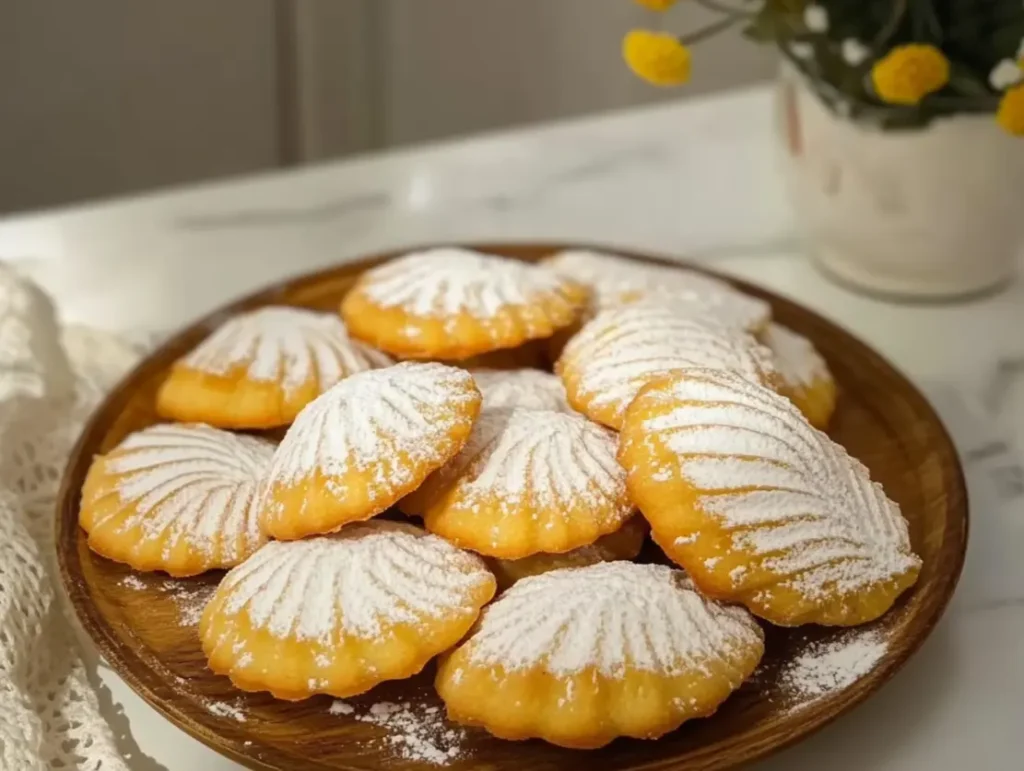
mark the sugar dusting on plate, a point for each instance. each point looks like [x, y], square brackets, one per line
[132, 581]
[224, 709]
[414, 731]
[832, 665]
[191, 599]
[340, 707]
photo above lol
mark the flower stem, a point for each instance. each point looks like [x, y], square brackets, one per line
[709, 31]
[899, 10]
[926, 22]
[717, 7]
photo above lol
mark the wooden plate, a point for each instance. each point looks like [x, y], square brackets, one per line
[144, 625]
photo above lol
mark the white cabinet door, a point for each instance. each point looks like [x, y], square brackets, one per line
[107, 97]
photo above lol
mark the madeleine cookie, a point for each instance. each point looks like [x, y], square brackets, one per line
[621, 350]
[261, 367]
[178, 498]
[624, 544]
[369, 440]
[615, 281]
[339, 614]
[527, 481]
[761, 508]
[454, 303]
[529, 388]
[804, 375]
[579, 657]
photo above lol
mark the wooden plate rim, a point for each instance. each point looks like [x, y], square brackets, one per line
[148, 688]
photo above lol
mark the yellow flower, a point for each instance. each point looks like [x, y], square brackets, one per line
[656, 5]
[907, 74]
[1011, 111]
[657, 57]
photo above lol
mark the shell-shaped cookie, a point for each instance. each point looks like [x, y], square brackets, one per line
[452, 304]
[621, 350]
[527, 481]
[624, 544]
[581, 656]
[260, 368]
[178, 498]
[366, 442]
[338, 614]
[615, 281]
[528, 388]
[804, 376]
[759, 506]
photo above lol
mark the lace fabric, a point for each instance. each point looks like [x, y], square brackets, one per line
[50, 381]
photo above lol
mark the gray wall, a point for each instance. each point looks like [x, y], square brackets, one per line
[106, 96]
[113, 97]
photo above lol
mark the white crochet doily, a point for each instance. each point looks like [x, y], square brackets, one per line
[50, 380]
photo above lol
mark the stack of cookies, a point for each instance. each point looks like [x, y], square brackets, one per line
[676, 408]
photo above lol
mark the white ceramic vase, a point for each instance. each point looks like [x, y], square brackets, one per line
[932, 213]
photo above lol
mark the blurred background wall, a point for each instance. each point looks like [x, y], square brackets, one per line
[114, 97]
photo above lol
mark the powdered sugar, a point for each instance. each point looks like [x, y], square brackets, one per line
[339, 707]
[223, 709]
[621, 350]
[446, 281]
[380, 421]
[609, 616]
[413, 731]
[785, 491]
[833, 665]
[617, 280]
[518, 458]
[188, 483]
[133, 582]
[528, 388]
[289, 346]
[190, 598]
[360, 582]
[796, 359]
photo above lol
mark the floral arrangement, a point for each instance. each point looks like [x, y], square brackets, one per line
[898, 63]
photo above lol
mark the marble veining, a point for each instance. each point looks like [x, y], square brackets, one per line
[299, 216]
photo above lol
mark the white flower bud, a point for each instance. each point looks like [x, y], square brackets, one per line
[801, 49]
[1005, 74]
[816, 18]
[854, 52]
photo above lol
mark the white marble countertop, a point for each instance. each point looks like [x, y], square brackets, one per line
[695, 179]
